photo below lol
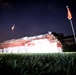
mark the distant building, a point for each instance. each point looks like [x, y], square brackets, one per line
[65, 40]
[68, 40]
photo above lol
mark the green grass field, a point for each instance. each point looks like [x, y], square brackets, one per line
[38, 64]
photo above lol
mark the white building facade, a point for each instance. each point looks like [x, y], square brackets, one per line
[46, 43]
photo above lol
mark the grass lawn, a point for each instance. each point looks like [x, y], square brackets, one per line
[38, 64]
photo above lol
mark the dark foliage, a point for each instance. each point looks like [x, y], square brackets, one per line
[38, 64]
[69, 48]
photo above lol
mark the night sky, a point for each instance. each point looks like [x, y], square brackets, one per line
[35, 17]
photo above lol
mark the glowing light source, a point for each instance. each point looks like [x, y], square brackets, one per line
[37, 44]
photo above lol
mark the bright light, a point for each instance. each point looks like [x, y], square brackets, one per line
[36, 44]
[41, 46]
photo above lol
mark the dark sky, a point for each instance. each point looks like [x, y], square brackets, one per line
[34, 17]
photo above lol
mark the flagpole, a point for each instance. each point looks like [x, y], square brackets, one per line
[73, 29]
[70, 18]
